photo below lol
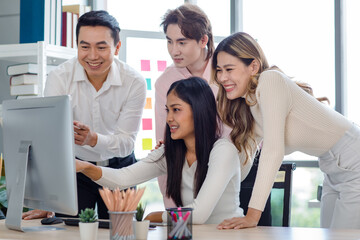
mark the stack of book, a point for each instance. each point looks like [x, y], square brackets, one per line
[24, 78]
[70, 16]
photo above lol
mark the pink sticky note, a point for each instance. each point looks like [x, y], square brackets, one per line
[161, 65]
[147, 124]
[145, 65]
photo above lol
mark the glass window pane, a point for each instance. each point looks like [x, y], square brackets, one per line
[304, 189]
[141, 14]
[303, 47]
[219, 15]
[73, 2]
[352, 61]
[298, 37]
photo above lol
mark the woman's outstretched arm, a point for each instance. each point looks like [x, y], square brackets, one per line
[88, 169]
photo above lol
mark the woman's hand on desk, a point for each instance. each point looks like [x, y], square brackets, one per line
[37, 213]
[250, 220]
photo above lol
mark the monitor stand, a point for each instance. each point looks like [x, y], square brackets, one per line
[16, 196]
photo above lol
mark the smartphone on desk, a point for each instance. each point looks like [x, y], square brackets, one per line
[158, 224]
[103, 223]
[75, 222]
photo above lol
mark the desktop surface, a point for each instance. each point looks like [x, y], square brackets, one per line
[200, 232]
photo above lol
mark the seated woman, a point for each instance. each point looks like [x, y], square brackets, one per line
[203, 170]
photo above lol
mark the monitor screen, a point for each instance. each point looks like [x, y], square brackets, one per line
[39, 158]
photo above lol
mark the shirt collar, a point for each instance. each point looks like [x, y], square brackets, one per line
[206, 75]
[113, 77]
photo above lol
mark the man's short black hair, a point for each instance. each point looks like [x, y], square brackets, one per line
[99, 18]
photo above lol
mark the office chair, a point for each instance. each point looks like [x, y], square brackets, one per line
[246, 189]
[284, 182]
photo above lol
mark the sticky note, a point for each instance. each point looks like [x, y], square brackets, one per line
[145, 65]
[147, 124]
[161, 65]
[147, 143]
[148, 104]
[148, 83]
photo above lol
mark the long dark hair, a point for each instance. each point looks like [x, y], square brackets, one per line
[197, 93]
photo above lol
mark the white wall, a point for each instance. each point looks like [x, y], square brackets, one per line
[10, 32]
[9, 21]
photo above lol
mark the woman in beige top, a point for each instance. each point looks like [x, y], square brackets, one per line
[261, 103]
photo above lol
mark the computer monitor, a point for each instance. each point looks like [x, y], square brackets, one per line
[39, 157]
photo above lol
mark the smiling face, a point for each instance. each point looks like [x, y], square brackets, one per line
[96, 51]
[179, 118]
[233, 74]
[184, 51]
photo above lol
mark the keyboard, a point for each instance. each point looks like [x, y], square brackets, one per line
[75, 222]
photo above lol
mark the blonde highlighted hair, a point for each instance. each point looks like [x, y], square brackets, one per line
[236, 113]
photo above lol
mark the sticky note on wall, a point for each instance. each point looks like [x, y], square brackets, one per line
[145, 65]
[148, 83]
[161, 65]
[147, 124]
[147, 143]
[148, 104]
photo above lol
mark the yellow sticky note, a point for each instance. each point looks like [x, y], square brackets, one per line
[147, 143]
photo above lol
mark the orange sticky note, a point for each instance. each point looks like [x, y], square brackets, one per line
[148, 104]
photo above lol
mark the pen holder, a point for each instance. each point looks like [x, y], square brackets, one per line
[121, 225]
[179, 223]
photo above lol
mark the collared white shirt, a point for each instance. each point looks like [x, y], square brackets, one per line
[114, 112]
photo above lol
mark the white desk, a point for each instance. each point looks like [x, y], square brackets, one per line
[200, 232]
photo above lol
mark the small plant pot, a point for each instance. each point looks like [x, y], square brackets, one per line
[141, 229]
[88, 231]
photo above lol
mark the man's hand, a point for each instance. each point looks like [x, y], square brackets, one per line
[83, 135]
[250, 220]
[37, 213]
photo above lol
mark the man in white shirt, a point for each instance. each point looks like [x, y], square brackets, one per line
[108, 98]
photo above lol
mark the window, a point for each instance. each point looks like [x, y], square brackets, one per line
[218, 14]
[298, 37]
[141, 14]
[299, 40]
[352, 60]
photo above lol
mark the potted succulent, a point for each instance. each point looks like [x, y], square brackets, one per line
[88, 224]
[141, 226]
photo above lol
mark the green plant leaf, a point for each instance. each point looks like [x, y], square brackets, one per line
[140, 210]
[88, 215]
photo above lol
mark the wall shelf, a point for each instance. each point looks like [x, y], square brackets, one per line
[40, 53]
